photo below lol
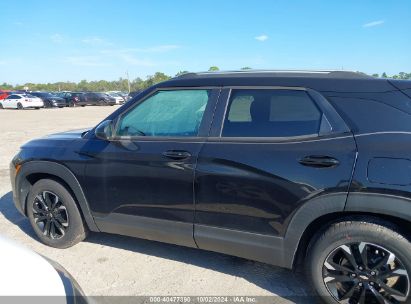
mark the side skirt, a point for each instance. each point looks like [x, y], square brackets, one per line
[253, 246]
[166, 231]
[262, 248]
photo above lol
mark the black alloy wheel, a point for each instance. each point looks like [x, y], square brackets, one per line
[50, 214]
[363, 272]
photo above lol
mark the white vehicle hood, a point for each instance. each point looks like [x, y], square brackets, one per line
[25, 273]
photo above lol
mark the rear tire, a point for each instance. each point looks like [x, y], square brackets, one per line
[1, 107]
[343, 263]
[54, 215]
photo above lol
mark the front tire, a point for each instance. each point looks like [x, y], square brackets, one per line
[20, 106]
[54, 215]
[362, 260]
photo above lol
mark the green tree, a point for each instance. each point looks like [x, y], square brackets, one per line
[181, 73]
[375, 75]
[384, 75]
[403, 75]
[246, 68]
[213, 69]
[156, 78]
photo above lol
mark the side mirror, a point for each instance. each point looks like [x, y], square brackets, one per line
[105, 130]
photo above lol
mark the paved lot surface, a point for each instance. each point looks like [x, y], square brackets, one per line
[107, 264]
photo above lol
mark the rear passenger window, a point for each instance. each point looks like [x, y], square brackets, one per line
[271, 113]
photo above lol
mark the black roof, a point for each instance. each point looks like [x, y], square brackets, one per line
[333, 81]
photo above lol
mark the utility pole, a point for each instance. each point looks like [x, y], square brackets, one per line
[128, 81]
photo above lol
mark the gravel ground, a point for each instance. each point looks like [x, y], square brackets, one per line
[111, 265]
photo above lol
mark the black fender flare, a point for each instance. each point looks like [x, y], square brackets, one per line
[368, 202]
[380, 203]
[60, 171]
[304, 216]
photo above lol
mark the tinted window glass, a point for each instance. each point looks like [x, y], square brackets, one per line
[11, 97]
[271, 113]
[167, 113]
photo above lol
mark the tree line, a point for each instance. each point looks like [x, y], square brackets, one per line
[123, 84]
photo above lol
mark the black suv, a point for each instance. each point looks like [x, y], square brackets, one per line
[50, 100]
[292, 169]
[96, 99]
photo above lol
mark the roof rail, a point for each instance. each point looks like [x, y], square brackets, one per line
[331, 73]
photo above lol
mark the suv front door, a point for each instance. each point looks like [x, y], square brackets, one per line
[270, 150]
[141, 183]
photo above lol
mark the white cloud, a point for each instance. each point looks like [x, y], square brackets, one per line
[90, 61]
[373, 23]
[160, 48]
[261, 38]
[153, 49]
[136, 61]
[57, 38]
[96, 41]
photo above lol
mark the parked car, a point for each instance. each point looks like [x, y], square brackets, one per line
[21, 101]
[96, 99]
[19, 276]
[134, 93]
[299, 170]
[4, 94]
[119, 99]
[125, 96]
[50, 100]
[72, 98]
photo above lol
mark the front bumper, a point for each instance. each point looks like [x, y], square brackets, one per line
[58, 103]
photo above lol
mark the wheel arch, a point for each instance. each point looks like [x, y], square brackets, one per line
[33, 171]
[387, 209]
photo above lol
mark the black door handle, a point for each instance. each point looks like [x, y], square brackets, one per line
[176, 154]
[319, 161]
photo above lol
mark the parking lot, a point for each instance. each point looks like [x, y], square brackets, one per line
[107, 264]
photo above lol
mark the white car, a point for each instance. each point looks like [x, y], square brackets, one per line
[117, 97]
[26, 273]
[21, 101]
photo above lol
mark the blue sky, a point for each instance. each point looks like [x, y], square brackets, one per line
[49, 41]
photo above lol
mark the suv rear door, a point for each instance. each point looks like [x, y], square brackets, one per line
[270, 150]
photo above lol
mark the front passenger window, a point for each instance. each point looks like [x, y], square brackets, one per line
[166, 113]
